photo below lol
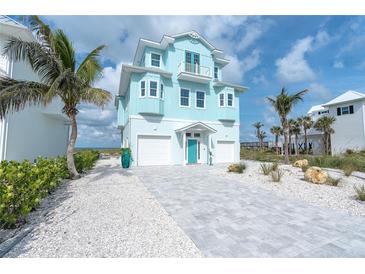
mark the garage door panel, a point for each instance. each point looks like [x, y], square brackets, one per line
[225, 151]
[153, 150]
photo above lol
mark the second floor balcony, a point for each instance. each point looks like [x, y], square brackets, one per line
[194, 73]
[151, 106]
[226, 114]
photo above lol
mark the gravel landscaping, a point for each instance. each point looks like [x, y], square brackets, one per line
[292, 185]
[107, 213]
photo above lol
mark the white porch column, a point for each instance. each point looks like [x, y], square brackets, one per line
[184, 144]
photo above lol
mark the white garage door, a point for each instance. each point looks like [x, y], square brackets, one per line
[225, 152]
[153, 150]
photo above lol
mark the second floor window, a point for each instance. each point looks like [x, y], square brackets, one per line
[155, 60]
[143, 89]
[200, 99]
[345, 110]
[216, 73]
[184, 97]
[221, 100]
[153, 88]
[230, 99]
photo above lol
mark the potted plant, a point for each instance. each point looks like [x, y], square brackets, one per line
[125, 157]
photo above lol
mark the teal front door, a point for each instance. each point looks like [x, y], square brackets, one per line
[192, 151]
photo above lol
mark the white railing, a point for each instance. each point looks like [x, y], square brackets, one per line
[194, 69]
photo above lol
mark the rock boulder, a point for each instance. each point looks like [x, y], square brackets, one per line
[315, 175]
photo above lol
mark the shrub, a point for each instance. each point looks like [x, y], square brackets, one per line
[238, 168]
[23, 185]
[266, 168]
[347, 170]
[360, 191]
[276, 175]
[333, 181]
[349, 151]
[275, 166]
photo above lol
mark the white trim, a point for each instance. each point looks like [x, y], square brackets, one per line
[140, 117]
[159, 54]
[149, 88]
[224, 99]
[227, 93]
[182, 106]
[196, 99]
[140, 89]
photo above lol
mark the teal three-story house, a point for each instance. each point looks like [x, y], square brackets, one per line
[173, 105]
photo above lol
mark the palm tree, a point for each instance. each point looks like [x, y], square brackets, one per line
[258, 126]
[52, 56]
[262, 136]
[277, 131]
[296, 130]
[306, 123]
[292, 125]
[324, 124]
[283, 104]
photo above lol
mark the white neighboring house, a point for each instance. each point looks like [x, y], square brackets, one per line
[349, 127]
[36, 130]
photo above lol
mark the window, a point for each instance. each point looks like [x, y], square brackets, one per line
[155, 60]
[200, 99]
[188, 134]
[184, 97]
[230, 99]
[161, 91]
[345, 110]
[153, 88]
[215, 72]
[221, 100]
[197, 135]
[143, 89]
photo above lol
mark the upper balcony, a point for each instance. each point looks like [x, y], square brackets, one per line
[151, 106]
[194, 73]
[226, 114]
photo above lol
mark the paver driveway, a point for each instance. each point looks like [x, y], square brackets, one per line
[225, 218]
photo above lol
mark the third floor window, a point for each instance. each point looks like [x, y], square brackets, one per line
[155, 60]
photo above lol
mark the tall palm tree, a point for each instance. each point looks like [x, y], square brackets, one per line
[52, 56]
[283, 104]
[262, 135]
[324, 124]
[292, 125]
[296, 130]
[306, 123]
[276, 131]
[258, 126]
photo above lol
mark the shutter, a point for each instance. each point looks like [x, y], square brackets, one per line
[351, 109]
[338, 111]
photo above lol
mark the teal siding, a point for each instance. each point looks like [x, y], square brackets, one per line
[169, 107]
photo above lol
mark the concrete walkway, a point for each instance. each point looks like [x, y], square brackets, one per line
[225, 218]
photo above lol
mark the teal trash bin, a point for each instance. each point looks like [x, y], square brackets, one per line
[126, 158]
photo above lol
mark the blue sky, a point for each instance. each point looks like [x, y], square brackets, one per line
[323, 53]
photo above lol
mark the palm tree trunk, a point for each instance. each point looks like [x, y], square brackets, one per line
[296, 145]
[289, 142]
[70, 149]
[286, 146]
[276, 144]
[325, 143]
[305, 141]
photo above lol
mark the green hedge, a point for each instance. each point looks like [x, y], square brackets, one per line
[23, 185]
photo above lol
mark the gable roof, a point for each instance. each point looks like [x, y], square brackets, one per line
[199, 126]
[10, 27]
[170, 39]
[316, 108]
[348, 96]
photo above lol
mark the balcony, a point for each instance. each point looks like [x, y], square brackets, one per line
[151, 106]
[194, 73]
[226, 114]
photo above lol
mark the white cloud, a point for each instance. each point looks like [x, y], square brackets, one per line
[294, 67]
[319, 91]
[260, 79]
[236, 70]
[338, 64]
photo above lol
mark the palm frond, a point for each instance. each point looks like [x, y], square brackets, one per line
[42, 31]
[44, 63]
[96, 96]
[16, 95]
[65, 50]
[90, 69]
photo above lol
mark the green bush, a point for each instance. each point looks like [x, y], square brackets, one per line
[333, 181]
[267, 168]
[348, 169]
[360, 191]
[23, 185]
[276, 175]
[238, 168]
